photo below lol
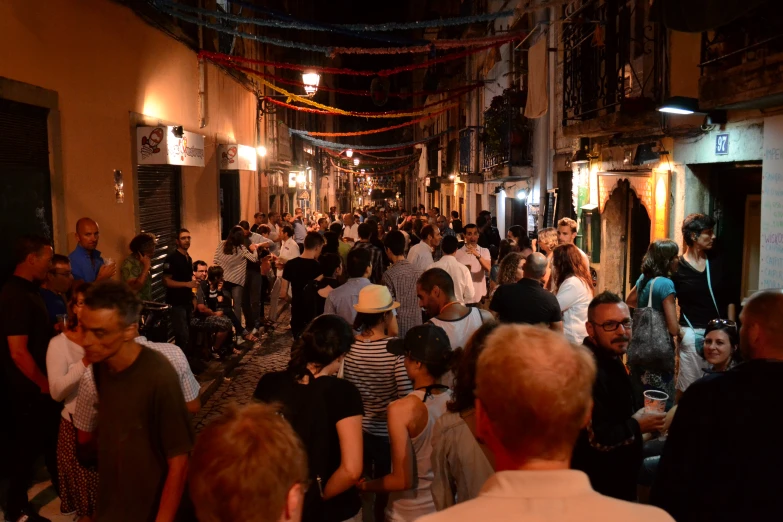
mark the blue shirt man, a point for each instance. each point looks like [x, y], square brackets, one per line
[342, 298]
[86, 261]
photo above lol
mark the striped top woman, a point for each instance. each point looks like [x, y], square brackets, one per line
[232, 255]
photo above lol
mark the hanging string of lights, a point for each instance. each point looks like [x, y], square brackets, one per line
[386, 148]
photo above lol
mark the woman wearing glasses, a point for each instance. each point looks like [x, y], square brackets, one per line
[658, 264]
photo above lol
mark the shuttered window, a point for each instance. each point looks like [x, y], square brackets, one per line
[25, 187]
[159, 214]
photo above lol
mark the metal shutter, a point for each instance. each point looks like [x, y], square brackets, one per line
[159, 197]
[25, 187]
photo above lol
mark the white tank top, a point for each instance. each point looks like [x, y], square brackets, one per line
[408, 505]
[460, 330]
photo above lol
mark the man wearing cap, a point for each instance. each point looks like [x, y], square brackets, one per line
[530, 406]
[379, 376]
[428, 356]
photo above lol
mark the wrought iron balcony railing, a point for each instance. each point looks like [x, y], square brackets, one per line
[468, 149]
[612, 58]
[754, 36]
[509, 140]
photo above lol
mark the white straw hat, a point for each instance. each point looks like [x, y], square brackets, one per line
[375, 299]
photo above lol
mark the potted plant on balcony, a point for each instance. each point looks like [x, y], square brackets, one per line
[504, 126]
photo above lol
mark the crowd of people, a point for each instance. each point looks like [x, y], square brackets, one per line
[437, 371]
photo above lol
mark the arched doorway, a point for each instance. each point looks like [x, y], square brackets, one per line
[625, 236]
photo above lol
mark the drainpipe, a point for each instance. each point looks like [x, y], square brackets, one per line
[202, 75]
[542, 159]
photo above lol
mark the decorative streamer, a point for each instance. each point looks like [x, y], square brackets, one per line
[376, 173]
[390, 114]
[350, 72]
[343, 146]
[335, 110]
[289, 22]
[382, 129]
[462, 89]
[425, 47]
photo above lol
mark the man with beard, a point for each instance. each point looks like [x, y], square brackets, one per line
[609, 449]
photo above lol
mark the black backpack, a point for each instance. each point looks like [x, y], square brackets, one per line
[304, 407]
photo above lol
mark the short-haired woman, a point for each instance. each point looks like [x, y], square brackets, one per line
[428, 356]
[135, 268]
[658, 265]
[700, 294]
[326, 413]
[573, 288]
[461, 463]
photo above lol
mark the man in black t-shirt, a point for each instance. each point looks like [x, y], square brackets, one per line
[297, 273]
[526, 301]
[179, 282]
[32, 415]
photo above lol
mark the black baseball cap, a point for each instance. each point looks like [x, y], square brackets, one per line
[425, 343]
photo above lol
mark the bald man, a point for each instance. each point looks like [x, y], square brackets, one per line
[526, 301]
[86, 261]
[726, 432]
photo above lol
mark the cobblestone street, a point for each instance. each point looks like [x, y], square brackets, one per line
[270, 355]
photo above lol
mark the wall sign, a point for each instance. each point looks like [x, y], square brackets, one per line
[771, 253]
[722, 144]
[162, 145]
[237, 157]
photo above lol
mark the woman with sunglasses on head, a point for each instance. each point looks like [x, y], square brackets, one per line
[655, 287]
[65, 364]
[721, 345]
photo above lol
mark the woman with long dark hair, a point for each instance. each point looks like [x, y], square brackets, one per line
[460, 462]
[326, 412]
[573, 287]
[65, 364]
[721, 345]
[233, 255]
[658, 265]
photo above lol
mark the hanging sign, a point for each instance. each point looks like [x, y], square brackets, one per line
[771, 253]
[304, 194]
[167, 145]
[237, 157]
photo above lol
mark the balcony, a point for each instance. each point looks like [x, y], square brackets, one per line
[507, 136]
[613, 72]
[742, 63]
[468, 149]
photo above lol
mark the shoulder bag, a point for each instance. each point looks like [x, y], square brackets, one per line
[651, 345]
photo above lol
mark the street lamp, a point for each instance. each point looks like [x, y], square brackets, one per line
[349, 153]
[261, 150]
[311, 80]
[356, 162]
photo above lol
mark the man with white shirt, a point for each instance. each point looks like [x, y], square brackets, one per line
[566, 235]
[463, 282]
[478, 261]
[289, 248]
[530, 407]
[420, 254]
[350, 229]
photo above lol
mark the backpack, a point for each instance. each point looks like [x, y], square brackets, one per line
[651, 346]
[304, 407]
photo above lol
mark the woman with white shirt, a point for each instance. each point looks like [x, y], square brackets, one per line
[65, 365]
[574, 290]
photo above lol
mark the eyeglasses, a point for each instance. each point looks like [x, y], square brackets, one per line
[611, 326]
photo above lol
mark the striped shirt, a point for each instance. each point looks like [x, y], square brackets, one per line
[401, 279]
[234, 265]
[380, 377]
[85, 416]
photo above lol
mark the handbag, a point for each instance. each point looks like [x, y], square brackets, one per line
[651, 345]
[698, 339]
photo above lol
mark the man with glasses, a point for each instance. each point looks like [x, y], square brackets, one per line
[609, 449]
[53, 289]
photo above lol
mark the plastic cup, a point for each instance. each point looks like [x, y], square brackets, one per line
[655, 401]
[108, 261]
[62, 319]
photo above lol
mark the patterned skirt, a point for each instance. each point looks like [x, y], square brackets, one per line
[78, 485]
